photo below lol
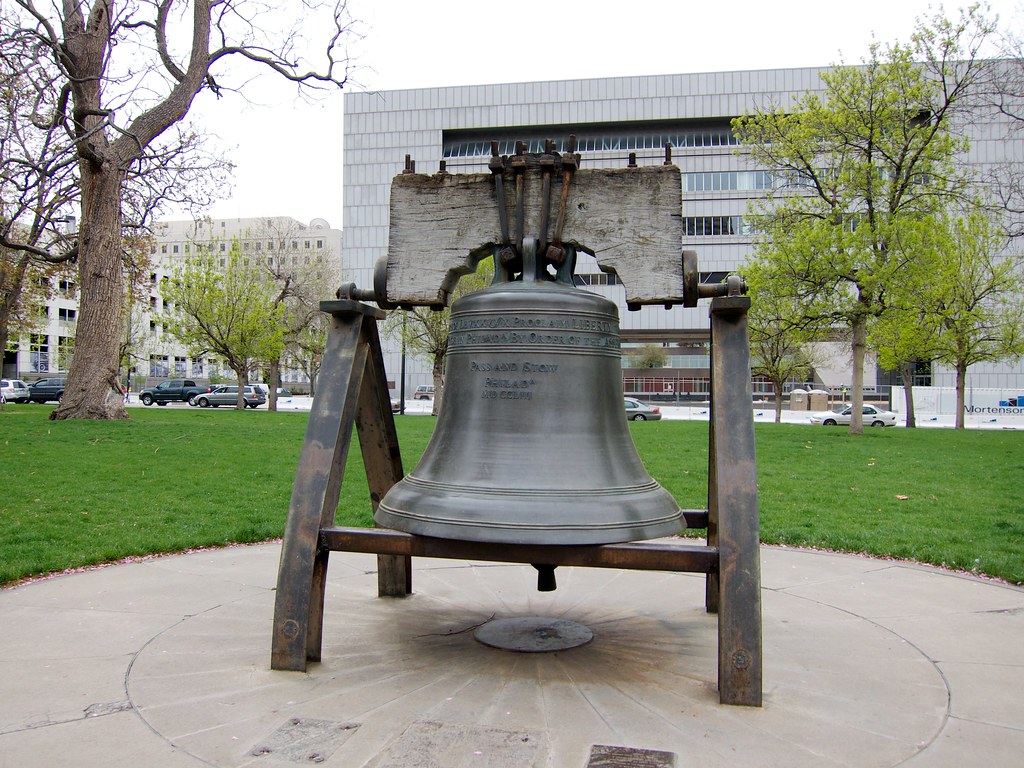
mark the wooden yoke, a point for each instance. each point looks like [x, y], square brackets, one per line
[629, 219]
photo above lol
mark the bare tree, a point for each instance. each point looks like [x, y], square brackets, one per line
[112, 79]
[40, 190]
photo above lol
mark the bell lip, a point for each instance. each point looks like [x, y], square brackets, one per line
[564, 535]
[574, 496]
[465, 518]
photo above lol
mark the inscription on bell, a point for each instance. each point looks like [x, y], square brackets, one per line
[547, 330]
[510, 388]
[477, 365]
[523, 321]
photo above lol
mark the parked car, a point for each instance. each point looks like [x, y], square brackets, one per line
[281, 391]
[171, 391]
[637, 411]
[14, 390]
[423, 392]
[873, 416]
[45, 390]
[227, 394]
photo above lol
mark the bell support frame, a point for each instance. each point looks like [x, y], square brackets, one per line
[353, 389]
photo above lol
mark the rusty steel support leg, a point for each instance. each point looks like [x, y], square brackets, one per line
[712, 584]
[382, 459]
[298, 608]
[733, 510]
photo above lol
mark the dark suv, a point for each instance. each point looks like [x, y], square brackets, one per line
[46, 389]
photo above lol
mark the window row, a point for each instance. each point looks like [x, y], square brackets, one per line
[609, 142]
[596, 278]
[256, 245]
[728, 181]
[705, 226]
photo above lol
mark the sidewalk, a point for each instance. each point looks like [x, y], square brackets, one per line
[165, 662]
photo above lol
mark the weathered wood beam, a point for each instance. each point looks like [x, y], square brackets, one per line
[628, 218]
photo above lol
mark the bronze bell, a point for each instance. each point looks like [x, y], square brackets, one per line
[531, 444]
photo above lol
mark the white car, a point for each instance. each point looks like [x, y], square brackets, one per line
[14, 390]
[873, 417]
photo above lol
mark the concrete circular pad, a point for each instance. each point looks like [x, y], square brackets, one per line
[166, 662]
[533, 634]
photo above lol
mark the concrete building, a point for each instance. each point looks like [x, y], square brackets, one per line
[611, 118]
[280, 241]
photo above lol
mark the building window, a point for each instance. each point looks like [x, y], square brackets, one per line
[198, 366]
[180, 367]
[158, 365]
[307, 245]
[174, 248]
[319, 243]
[223, 248]
[66, 315]
[163, 248]
[65, 352]
[39, 353]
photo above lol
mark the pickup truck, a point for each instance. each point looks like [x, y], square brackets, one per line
[171, 391]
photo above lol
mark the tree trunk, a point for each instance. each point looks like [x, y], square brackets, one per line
[92, 391]
[777, 388]
[12, 284]
[961, 386]
[241, 376]
[907, 375]
[860, 333]
[438, 371]
[273, 382]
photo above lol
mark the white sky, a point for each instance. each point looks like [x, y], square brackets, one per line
[288, 152]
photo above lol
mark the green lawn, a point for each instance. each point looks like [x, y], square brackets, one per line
[77, 493]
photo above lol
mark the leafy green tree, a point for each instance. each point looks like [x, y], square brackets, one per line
[424, 331]
[648, 356]
[859, 168]
[779, 336]
[307, 347]
[229, 312]
[975, 298]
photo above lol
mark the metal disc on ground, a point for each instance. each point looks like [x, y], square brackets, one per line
[533, 634]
